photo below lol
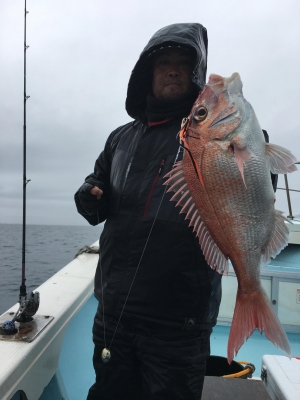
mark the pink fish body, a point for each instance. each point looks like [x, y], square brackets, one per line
[223, 185]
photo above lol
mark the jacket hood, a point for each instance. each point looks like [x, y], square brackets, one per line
[192, 36]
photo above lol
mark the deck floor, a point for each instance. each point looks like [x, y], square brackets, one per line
[75, 364]
[252, 350]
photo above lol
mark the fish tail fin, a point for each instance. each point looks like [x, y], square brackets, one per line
[253, 310]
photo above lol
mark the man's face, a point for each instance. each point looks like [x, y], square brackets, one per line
[171, 74]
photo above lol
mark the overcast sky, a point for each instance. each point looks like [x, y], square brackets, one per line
[78, 64]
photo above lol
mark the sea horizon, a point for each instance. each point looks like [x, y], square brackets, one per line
[29, 224]
[49, 248]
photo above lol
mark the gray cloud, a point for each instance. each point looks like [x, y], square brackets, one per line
[80, 58]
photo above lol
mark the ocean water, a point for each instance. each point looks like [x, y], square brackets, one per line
[48, 249]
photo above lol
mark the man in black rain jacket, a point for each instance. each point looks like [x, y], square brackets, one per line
[158, 298]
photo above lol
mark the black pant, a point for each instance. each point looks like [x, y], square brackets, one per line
[149, 361]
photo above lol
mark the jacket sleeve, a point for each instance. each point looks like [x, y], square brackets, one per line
[274, 177]
[93, 210]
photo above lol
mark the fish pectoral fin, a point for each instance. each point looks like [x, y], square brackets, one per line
[281, 160]
[241, 155]
[279, 239]
[253, 310]
[213, 255]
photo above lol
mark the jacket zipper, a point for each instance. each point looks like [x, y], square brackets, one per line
[127, 172]
[153, 188]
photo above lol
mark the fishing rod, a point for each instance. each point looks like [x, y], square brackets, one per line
[28, 304]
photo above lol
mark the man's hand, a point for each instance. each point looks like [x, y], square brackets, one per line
[96, 192]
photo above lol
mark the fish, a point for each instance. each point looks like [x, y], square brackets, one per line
[223, 185]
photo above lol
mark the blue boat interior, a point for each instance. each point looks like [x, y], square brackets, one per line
[75, 373]
[288, 260]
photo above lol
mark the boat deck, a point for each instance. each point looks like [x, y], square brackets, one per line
[67, 296]
[75, 363]
[288, 260]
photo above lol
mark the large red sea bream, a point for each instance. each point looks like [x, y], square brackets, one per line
[223, 184]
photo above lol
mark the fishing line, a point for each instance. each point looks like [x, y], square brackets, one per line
[106, 354]
[184, 127]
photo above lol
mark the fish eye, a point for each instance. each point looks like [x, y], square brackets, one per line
[201, 113]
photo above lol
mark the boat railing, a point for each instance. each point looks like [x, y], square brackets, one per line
[288, 190]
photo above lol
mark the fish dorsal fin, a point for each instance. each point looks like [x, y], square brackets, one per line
[279, 239]
[281, 160]
[213, 255]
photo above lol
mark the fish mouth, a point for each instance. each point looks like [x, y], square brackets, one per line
[217, 83]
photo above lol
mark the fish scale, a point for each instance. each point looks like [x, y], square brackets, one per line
[223, 185]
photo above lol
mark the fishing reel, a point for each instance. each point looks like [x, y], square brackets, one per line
[28, 307]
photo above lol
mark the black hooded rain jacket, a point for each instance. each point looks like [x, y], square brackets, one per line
[144, 231]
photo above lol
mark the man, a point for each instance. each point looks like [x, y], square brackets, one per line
[158, 298]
